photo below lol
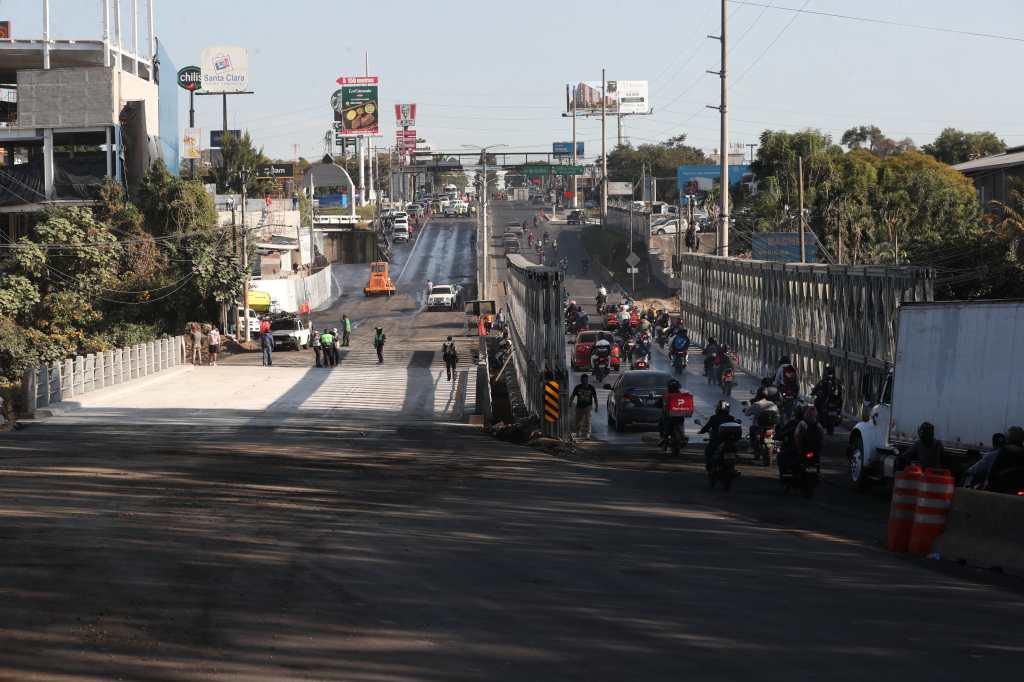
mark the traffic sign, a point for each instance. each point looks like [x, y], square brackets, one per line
[536, 171]
[632, 271]
[568, 170]
[632, 260]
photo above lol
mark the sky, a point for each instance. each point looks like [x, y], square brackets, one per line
[486, 73]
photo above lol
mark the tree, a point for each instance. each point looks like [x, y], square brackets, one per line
[955, 146]
[238, 154]
[872, 139]
[857, 137]
[628, 164]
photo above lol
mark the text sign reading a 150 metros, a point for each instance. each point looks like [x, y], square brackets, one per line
[225, 68]
[356, 105]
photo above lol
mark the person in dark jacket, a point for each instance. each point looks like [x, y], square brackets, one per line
[721, 416]
[927, 449]
[451, 357]
[267, 346]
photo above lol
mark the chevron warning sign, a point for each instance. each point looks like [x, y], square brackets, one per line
[551, 408]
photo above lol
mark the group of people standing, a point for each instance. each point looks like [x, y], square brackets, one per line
[327, 343]
[212, 343]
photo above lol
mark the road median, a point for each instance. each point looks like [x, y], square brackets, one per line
[983, 529]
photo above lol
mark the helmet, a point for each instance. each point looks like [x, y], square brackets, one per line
[811, 414]
[449, 338]
[926, 432]
[674, 386]
[572, 303]
[771, 393]
[784, 360]
[766, 381]
[830, 371]
[722, 407]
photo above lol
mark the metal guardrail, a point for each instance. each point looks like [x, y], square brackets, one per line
[844, 315]
[538, 337]
[72, 377]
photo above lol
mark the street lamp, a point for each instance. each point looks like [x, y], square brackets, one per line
[483, 216]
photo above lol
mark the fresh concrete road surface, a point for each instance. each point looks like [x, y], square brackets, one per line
[335, 541]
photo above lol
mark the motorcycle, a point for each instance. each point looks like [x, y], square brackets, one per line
[723, 463]
[678, 363]
[601, 368]
[602, 300]
[803, 472]
[639, 362]
[661, 336]
[680, 408]
[727, 382]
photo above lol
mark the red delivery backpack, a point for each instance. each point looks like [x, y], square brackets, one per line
[680, 404]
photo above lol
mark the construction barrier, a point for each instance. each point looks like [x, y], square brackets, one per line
[904, 503]
[984, 529]
[552, 410]
[934, 498]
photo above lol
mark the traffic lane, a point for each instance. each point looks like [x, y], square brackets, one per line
[435, 553]
[444, 253]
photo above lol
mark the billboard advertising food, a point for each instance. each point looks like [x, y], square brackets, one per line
[225, 68]
[621, 97]
[356, 105]
[706, 175]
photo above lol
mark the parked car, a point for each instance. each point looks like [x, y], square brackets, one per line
[289, 332]
[443, 296]
[635, 396]
[514, 227]
[667, 227]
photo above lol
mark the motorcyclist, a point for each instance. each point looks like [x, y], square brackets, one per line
[623, 317]
[672, 391]
[680, 346]
[721, 416]
[927, 449]
[642, 347]
[762, 390]
[977, 474]
[763, 412]
[806, 435]
[582, 320]
[602, 298]
[602, 349]
[710, 351]
[645, 325]
[1011, 456]
[827, 390]
[786, 375]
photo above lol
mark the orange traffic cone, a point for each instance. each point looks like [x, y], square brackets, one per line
[904, 502]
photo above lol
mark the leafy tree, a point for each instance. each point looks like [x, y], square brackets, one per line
[627, 164]
[872, 139]
[955, 146]
[238, 154]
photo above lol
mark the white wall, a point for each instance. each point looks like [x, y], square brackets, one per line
[289, 294]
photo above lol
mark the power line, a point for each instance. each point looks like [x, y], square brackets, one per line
[884, 22]
[770, 45]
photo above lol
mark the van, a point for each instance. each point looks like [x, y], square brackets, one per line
[400, 234]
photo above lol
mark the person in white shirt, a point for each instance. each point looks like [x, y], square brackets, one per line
[213, 342]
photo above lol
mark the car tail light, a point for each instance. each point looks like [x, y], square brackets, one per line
[629, 396]
[809, 455]
[768, 433]
[1020, 493]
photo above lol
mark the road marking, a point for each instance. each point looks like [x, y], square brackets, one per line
[409, 258]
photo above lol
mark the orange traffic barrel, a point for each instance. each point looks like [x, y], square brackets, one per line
[934, 498]
[904, 503]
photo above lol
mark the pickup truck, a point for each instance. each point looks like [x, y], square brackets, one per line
[443, 297]
[955, 367]
[289, 332]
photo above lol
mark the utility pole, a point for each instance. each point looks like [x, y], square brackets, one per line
[244, 173]
[619, 129]
[800, 186]
[723, 233]
[604, 152]
[483, 223]
[752, 147]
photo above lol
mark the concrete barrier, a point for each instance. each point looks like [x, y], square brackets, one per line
[984, 529]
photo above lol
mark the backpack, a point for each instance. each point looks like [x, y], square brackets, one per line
[679, 404]
[679, 342]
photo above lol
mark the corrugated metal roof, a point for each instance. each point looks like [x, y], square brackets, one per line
[994, 162]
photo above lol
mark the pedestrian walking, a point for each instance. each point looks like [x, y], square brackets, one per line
[346, 329]
[586, 399]
[379, 337]
[197, 344]
[430, 286]
[314, 340]
[213, 341]
[267, 347]
[327, 347]
[451, 357]
[336, 345]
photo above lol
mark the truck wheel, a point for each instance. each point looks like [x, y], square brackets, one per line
[859, 478]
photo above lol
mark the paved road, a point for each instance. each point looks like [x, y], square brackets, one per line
[338, 541]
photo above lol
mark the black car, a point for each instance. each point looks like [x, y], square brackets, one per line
[575, 218]
[635, 396]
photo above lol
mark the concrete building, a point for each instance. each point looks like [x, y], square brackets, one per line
[76, 111]
[993, 175]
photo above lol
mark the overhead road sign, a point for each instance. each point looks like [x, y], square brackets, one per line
[565, 148]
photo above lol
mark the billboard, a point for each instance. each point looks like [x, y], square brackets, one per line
[706, 175]
[405, 115]
[5, 30]
[191, 143]
[782, 247]
[621, 97]
[225, 68]
[275, 170]
[565, 148]
[620, 189]
[217, 137]
[190, 78]
[356, 105]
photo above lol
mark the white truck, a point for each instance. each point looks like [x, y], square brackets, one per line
[958, 367]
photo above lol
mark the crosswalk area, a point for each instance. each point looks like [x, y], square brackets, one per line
[410, 382]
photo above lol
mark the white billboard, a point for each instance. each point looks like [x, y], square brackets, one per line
[620, 189]
[225, 68]
[620, 97]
